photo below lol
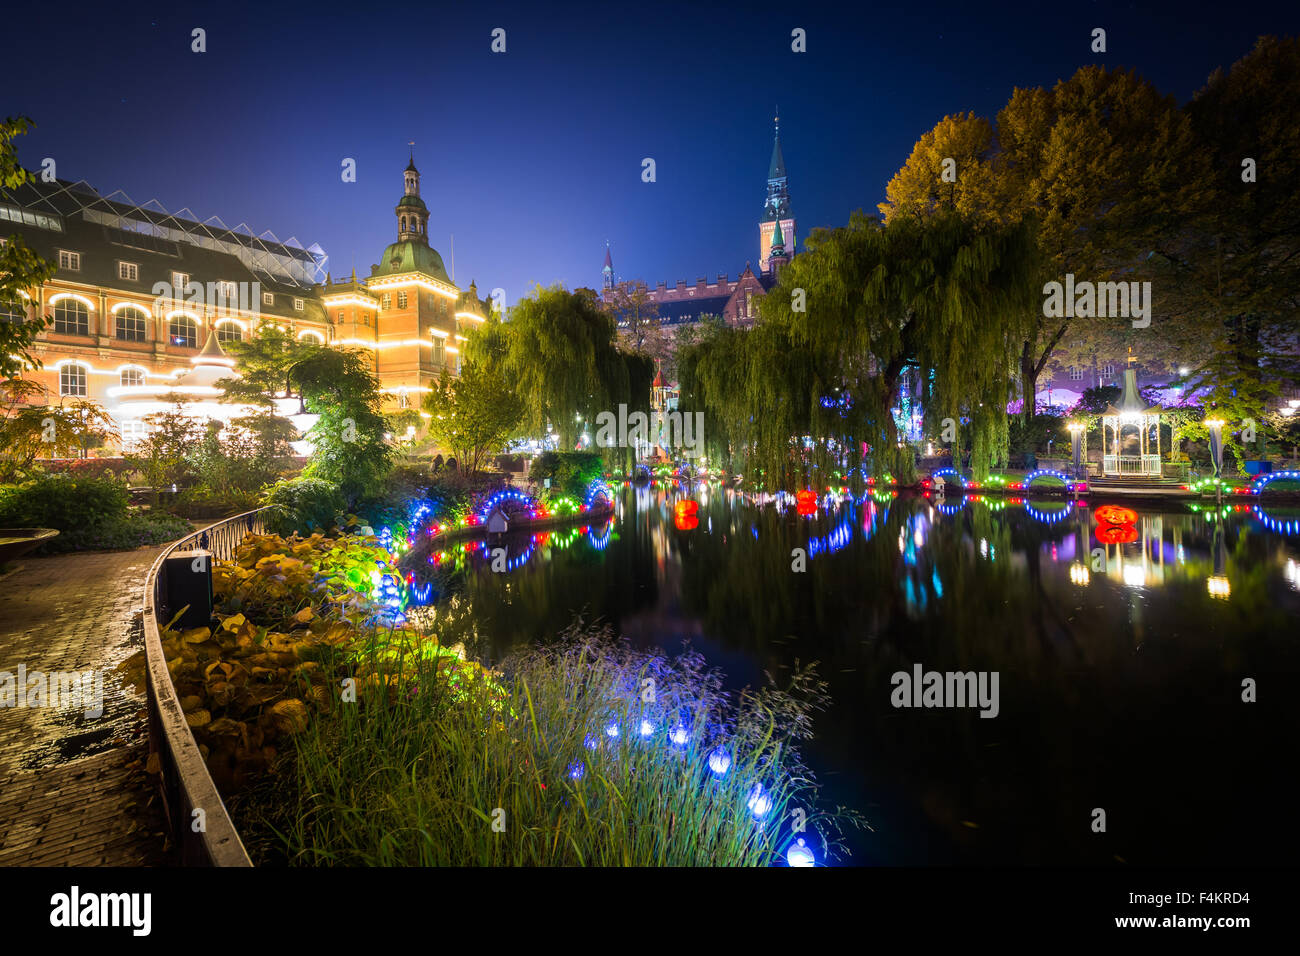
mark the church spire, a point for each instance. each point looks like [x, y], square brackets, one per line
[412, 213]
[607, 272]
[778, 220]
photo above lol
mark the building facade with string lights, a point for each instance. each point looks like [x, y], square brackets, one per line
[114, 339]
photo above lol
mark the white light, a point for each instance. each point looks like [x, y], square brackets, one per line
[647, 728]
[800, 855]
[759, 803]
[611, 730]
[720, 762]
[679, 735]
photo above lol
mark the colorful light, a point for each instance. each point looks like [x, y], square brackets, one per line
[720, 762]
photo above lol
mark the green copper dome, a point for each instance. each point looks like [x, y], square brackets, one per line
[415, 201]
[411, 256]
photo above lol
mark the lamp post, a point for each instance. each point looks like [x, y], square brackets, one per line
[1215, 425]
[1076, 445]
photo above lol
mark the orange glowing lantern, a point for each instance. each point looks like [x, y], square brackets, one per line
[1117, 534]
[805, 502]
[1114, 514]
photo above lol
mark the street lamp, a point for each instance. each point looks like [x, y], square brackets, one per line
[1076, 430]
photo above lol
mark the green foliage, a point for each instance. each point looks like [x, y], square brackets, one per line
[62, 501]
[351, 449]
[432, 758]
[560, 351]
[475, 414]
[570, 472]
[132, 530]
[304, 504]
[22, 271]
[67, 430]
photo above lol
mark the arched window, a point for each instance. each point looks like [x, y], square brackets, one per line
[132, 376]
[183, 331]
[72, 379]
[71, 317]
[403, 218]
[132, 325]
[228, 331]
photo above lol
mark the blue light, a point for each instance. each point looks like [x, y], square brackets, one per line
[591, 741]
[679, 735]
[800, 855]
[720, 762]
[759, 803]
[611, 730]
[577, 769]
[647, 728]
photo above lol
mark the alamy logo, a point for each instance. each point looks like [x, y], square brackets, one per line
[74, 909]
[69, 690]
[675, 430]
[922, 688]
[1124, 300]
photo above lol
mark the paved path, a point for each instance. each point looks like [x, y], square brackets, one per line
[73, 791]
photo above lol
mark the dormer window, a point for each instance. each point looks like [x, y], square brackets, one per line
[297, 304]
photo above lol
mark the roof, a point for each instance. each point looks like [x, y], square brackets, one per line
[609, 263]
[776, 169]
[410, 255]
[102, 247]
[415, 201]
[778, 240]
[1130, 399]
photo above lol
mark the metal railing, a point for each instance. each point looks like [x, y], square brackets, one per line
[184, 781]
[1131, 465]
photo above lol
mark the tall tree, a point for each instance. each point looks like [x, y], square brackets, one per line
[22, 271]
[473, 415]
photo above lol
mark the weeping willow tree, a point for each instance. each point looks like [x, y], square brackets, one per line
[816, 382]
[560, 353]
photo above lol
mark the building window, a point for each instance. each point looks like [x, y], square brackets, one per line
[134, 431]
[340, 316]
[128, 271]
[268, 298]
[439, 350]
[297, 304]
[227, 293]
[131, 325]
[401, 300]
[69, 261]
[71, 317]
[386, 302]
[183, 331]
[72, 380]
[1076, 374]
[180, 282]
[1108, 370]
[132, 377]
[229, 332]
[15, 313]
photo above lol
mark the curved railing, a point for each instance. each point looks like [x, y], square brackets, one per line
[184, 780]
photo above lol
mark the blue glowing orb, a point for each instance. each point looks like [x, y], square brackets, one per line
[647, 728]
[590, 741]
[720, 762]
[759, 803]
[800, 855]
[679, 735]
[576, 770]
[611, 730]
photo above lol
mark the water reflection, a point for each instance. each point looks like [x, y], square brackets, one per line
[1121, 655]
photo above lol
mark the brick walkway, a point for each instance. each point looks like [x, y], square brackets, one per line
[73, 791]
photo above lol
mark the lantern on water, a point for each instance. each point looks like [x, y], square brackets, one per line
[1117, 534]
[805, 502]
[1114, 514]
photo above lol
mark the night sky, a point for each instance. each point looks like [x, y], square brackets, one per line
[532, 158]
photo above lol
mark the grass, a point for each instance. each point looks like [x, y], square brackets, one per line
[518, 770]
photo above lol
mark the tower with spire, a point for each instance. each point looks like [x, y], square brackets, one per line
[777, 216]
[607, 273]
[412, 213]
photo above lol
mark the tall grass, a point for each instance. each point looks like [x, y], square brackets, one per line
[522, 770]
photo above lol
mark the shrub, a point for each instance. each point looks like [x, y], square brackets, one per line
[132, 530]
[570, 471]
[63, 501]
[303, 504]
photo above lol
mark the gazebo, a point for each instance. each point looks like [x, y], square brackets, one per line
[1117, 448]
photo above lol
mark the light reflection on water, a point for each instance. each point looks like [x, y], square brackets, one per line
[1121, 653]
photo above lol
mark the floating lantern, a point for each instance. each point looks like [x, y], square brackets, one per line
[1117, 534]
[800, 855]
[647, 728]
[720, 762]
[1114, 514]
[679, 735]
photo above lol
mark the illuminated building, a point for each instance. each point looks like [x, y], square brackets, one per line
[139, 292]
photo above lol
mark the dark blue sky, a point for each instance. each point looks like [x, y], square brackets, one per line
[532, 158]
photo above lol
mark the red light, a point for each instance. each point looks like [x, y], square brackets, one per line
[1115, 515]
[1117, 534]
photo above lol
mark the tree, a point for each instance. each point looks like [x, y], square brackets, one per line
[21, 270]
[559, 350]
[269, 363]
[637, 315]
[350, 445]
[163, 456]
[474, 415]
